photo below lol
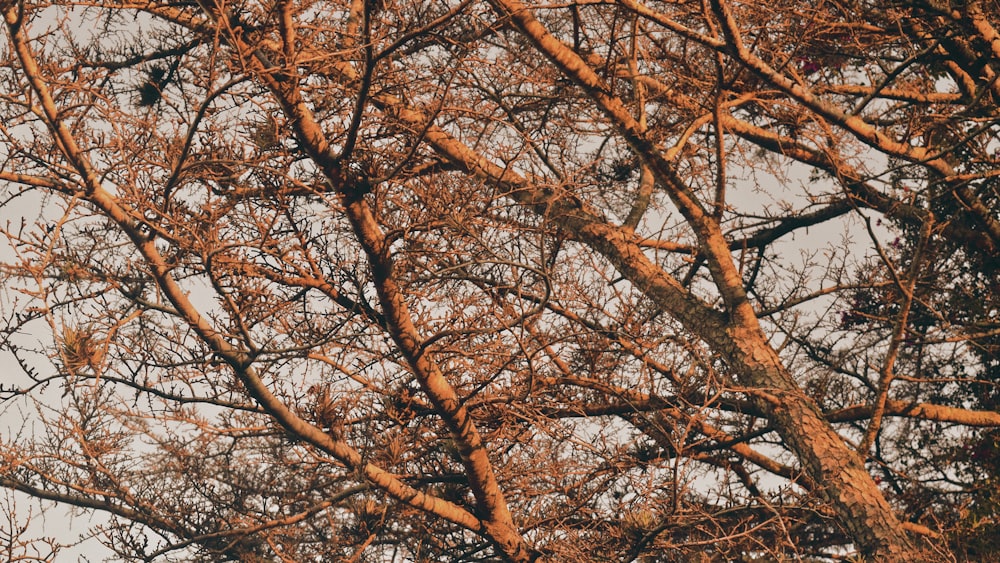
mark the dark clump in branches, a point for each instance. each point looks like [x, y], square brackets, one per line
[158, 77]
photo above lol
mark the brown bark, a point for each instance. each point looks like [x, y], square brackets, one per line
[859, 503]
[495, 520]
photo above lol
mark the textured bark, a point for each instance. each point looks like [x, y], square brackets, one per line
[494, 517]
[827, 459]
[492, 508]
[495, 522]
[860, 505]
[846, 484]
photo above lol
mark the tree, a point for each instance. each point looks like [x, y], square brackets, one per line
[430, 280]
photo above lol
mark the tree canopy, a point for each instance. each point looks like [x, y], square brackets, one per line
[444, 280]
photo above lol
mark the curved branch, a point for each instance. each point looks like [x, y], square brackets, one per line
[237, 359]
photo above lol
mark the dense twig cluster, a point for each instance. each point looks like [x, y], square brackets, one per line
[414, 281]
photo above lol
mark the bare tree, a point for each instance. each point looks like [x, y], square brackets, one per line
[432, 280]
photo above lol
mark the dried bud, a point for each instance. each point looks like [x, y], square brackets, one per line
[80, 350]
